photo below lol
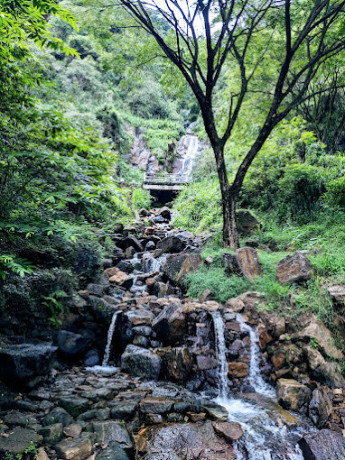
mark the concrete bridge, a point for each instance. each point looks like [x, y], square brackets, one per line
[165, 182]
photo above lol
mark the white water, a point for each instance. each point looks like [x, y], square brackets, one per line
[154, 265]
[266, 436]
[188, 161]
[255, 377]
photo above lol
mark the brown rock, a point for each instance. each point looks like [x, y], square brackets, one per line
[235, 305]
[265, 339]
[233, 326]
[206, 362]
[120, 278]
[200, 417]
[293, 395]
[294, 268]
[77, 449]
[278, 359]
[178, 266]
[238, 370]
[248, 261]
[176, 364]
[231, 431]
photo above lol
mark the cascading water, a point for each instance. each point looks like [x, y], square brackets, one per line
[188, 159]
[267, 436]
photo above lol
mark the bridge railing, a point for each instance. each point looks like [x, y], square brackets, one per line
[166, 178]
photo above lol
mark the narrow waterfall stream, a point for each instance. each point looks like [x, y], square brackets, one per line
[270, 433]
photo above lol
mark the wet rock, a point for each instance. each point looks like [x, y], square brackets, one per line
[206, 363]
[74, 405]
[71, 344]
[130, 252]
[295, 268]
[172, 244]
[150, 246]
[323, 336]
[73, 431]
[20, 419]
[52, 433]
[92, 358]
[170, 325]
[248, 262]
[293, 395]
[327, 373]
[215, 411]
[131, 241]
[18, 440]
[142, 330]
[100, 308]
[120, 278]
[238, 370]
[112, 452]
[155, 405]
[140, 362]
[246, 222]
[323, 445]
[123, 410]
[178, 266]
[320, 407]
[187, 441]
[264, 339]
[57, 415]
[231, 431]
[165, 213]
[141, 341]
[75, 449]
[107, 432]
[176, 364]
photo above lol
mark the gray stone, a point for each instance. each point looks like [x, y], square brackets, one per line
[294, 268]
[320, 407]
[107, 432]
[123, 410]
[112, 452]
[18, 440]
[57, 415]
[75, 449]
[293, 395]
[155, 405]
[178, 266]
[140, 362]
[171, 244]
[71, 344]
[51, 433]
[74, 405]
[323, 445]
[170, 325]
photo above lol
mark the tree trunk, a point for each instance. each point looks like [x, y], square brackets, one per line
[229, 201]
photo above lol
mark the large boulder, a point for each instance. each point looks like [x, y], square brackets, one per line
[246, 222]
[18, 440]
[170, 325]
[231, 431]
[118, 277]
[294, 268]
[337, 293]
[293, 395]
[320, 407]
[110, 431]
[22, 363]
[178, 266]
[140, 362]
[172, 244]
[75, 449]
[323, 445]
[71, 344]
[248, 262]
[327, 373]
[319, 333]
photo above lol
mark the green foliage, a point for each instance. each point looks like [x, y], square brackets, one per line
[141, 199]
[55, 305]
[10, 263]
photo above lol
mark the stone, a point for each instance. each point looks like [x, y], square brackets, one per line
[323, 445]
[131, 241]
[42, 454]
[74, 405]
[92, 358]
[264, 339]
[170, 325]
[215, 411]
[71, 344]
[141, 341]
[206, 362]
[97, 289]
[121, 278]
[246, 222]
[118, 228]
[248, 262]
[188, 441]
[165, 213]
[52, 433]
[21, 363]
[337, 292]
[110, 431]
[112, 452]
[206, 295]
[176, 364]
[150, 246]
[140, 362]
[320, 407]
[294, 268]
[238, 370]
[278, 359]
[235, 305]
[293, 395]
[73, 430]
[172, 244]
[123, 410]
[178, 266]
[318, 332]
[327, 373]
[142, 330]
[20, 419]
[231, 431]
[75, 449]
[230, 264]
[18, 440]
[155, 405]
[57, 415]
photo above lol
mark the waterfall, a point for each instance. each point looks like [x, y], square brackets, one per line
[189, 158]
[218, 324]
[111, 330]
[255, 377]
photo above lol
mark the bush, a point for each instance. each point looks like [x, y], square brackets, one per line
[141, 199]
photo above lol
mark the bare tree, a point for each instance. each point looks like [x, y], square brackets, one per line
[208, 35]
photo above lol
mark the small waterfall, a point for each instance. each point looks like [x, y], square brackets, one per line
[221, 355]
[255, 377]
[111, 330]
[189, 158]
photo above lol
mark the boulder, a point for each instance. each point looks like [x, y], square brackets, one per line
[237, 370]
[71, 344]
[52, 433]
[246, 222]
[119, 278]
[74, 405]
[230, 264]
[22, 363]
[156, 405]
[318, 332]
[170, 325]
[118, 227]
[248, 262]
[293, 395]
[320, 407]
[172, 244]
[231, 431]
[234, 305]
[327, 373]
[57, 415]
[18, 440]
[323, 445]
[176, 364]
[337, 292]
[110, 431]
[188, 441]
[112, 452]
[75, 449]
[140, 362]
[294, 268]
[130, 241]
[178, 266]
[165, 213]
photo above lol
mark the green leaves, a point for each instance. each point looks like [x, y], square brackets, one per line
[11, 263]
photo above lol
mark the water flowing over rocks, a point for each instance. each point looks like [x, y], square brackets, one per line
[180, 378]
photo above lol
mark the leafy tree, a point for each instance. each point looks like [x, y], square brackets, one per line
[292, 38]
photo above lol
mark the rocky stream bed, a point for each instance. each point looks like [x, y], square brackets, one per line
[141, 372]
